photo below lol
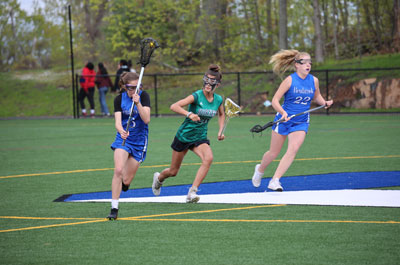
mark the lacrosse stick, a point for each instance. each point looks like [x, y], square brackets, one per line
[231, 110]
[259, 128]
[147, 47]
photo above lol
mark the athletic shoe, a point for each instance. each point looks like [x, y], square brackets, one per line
[113, 214]
[125, 187]
[274, 184]
[156, 187]
[192, 196]
[256, 180]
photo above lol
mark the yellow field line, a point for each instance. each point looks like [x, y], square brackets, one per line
[56, 225]
[205, 211]
[56, 173]
[203, 220]
[152, 218]
[145, 216]
[266, 221]
[44, 218]
[347, 157]
[195, 164]
[103, 219]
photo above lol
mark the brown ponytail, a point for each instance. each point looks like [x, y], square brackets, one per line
[125, 78]
[214, 70]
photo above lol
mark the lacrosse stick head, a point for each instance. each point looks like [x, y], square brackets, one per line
[147, 47]
[259, 128]
[256, 129]
[231, 108]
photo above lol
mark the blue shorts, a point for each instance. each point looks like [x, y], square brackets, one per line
[284, 128]
[138, 152]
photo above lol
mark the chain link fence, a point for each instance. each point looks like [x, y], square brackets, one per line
[353, 90]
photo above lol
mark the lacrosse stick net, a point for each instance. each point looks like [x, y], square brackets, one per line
[231, 110]
[147, 47]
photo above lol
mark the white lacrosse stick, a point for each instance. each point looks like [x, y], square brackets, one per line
[231, 110]
[147, 47]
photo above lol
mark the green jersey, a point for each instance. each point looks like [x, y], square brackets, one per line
[191, 131]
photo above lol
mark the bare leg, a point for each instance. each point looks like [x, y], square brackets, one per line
[205, 153]
[130, 170]
[295, 141]
[177, 158]
[276, 144]
[120, 159]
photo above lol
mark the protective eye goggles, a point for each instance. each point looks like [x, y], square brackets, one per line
[210, 81]
[303, 61]
[132, 87]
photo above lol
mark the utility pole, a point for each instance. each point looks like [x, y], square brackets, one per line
[72, 62]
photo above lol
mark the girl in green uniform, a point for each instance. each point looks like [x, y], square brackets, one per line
[192, 134]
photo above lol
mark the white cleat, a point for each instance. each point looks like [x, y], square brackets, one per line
[256, 180]
[274, 184]
[192, 196]
[156, 187]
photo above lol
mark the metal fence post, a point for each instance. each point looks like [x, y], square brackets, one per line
[327, 88]
[155, 94]
[73, 97]
[77, 95]
[238, 88]
[72, 59]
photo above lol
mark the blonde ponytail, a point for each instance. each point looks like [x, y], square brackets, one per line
[284, 60]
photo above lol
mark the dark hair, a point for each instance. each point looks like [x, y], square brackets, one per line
[90, 65]
[102, 69]
[214, 70]
[123, 62]
[125, 78]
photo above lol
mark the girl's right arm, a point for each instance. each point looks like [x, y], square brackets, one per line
[118, 125]
[283, 88]
[178, 108]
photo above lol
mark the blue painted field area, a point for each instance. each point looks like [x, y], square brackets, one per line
[333, 181]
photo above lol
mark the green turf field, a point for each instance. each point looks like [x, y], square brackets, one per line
[44, 159]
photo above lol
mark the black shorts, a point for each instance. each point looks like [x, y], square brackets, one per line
[180, 147]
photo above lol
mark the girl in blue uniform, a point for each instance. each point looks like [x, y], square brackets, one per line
[127, 158]
[298, 90]
[192, 134]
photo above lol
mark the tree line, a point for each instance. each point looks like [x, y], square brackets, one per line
[236, 33]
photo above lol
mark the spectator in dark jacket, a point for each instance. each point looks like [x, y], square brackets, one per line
[87, 88]
[122, 67]
[131, 66]
[103, 82]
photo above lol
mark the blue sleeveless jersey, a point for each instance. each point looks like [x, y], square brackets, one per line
[298, 98]
[138, 130]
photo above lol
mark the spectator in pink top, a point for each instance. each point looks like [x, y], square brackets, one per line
[103, 82]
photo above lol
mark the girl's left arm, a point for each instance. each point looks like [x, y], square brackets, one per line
[318, 97]
[144, 111]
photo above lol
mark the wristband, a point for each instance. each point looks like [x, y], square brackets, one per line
[187, 115]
